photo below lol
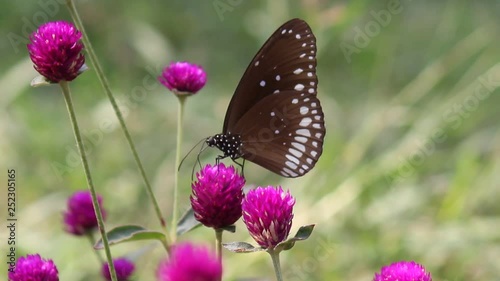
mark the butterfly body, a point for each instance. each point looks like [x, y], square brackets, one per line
[274, 118]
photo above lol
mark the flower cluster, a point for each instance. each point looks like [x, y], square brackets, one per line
[183, 77]
[123, 267]
[217, 196]
[80, 217]
[268, 214]
[34, 268]
[56, 51]
[189, 262]
[403, 271]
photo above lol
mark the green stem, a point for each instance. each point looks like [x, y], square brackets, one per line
[97, 209]
[105, 84]
[91, 239]
[180, 116]
[218, 243]
[275, 256]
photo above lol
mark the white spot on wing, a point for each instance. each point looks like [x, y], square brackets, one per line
[298, 71]
[305, 122]
[262, 83]
[314, 153]
[309, 160]
[303, 132]
[317, 126]
[301, 139]
[295, 152]
[299, 87]
[256, 63]
[278, 78]
[311, 91]
[299, 146]
[294, 101]
[292, 158]
[291, 165]
[290, 172]
[297, 36]
[283, 31]
[304, 110]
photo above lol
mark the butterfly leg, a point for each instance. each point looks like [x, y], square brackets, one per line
[242, 165]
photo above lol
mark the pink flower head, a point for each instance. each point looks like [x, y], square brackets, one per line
[217, 196]
[56, 51]
[34, 268]
[123, 267]
[183, 77]
[80, 216]
[188, 263]
[268, 214]
[403, 271]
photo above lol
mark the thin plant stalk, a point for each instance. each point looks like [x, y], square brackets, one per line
[218, 243]
[180, 117]
[105, 84]
[100, 222]
[275, 256]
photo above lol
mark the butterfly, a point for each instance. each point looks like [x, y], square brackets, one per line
[274, 118]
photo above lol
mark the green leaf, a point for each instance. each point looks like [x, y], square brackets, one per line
[242, 247]
[187, 222]
[302, 234]
[126, 233]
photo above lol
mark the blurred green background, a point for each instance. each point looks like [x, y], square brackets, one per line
[411, 163]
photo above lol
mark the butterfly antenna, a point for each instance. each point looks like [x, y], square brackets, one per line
[203, 147]
[191, 150]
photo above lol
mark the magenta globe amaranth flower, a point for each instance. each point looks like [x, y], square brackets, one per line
[188, 263]
[56, 51]
[268, 214]
[123, 267]
[80, 217]
[183, 77]
[403, 271]
[217, 196]
[33, 268]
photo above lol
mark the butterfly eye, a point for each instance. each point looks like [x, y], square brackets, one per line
[274, 118]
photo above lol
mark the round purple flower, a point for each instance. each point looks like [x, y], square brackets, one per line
[34, 268]
[80, 216]
[56, 51]
[188, 262]
[123, 267]
[268, 214]
[217, 196]
[183, 77]
[403, 271]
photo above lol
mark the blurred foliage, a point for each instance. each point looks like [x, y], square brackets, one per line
[411, 163]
